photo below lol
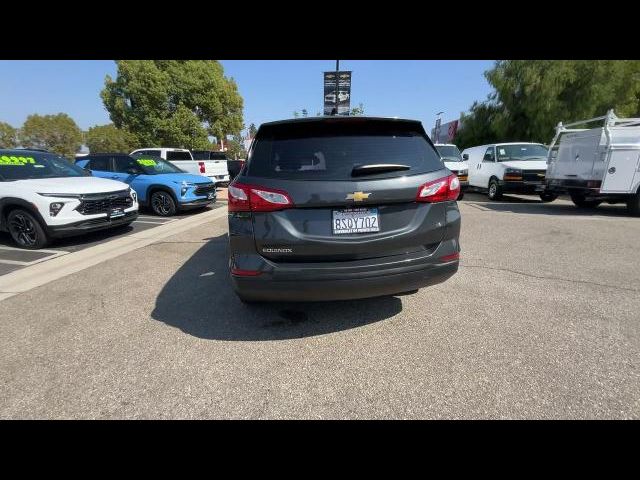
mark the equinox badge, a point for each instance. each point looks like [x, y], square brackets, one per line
[358, 196]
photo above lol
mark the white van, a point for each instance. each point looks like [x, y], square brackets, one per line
[518, 167]
[182, 158]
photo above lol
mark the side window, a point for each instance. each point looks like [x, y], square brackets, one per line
[125, 163]
[153, 153]
[100, 164]
[489, 155]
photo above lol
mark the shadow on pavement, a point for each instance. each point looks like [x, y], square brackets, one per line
[533, 204]
[199, 300]
[558, 209]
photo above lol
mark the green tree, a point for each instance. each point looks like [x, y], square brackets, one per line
[356, 111]
[108, 138]
[8, 136]
[304, 112]
[235, 147]
[477, 127]
[173, 103]
[531, 96]
[252, 130]
[56, 133]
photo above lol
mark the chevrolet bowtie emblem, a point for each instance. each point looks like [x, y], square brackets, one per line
[358, 196]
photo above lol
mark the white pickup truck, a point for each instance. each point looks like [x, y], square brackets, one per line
[215, 170]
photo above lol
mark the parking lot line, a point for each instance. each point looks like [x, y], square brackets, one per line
[53, 269]
[155, 223]
[42, 250]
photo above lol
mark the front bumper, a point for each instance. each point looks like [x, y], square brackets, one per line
[293, 282]
[522, 187]
[203, 202]
[92, 225]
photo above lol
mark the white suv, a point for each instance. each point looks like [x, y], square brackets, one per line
[44, 196]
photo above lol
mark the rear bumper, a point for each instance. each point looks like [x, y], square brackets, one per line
[361, 279]
[254, 288]
[93, 225]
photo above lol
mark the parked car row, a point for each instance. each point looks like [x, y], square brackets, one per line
[43, 196]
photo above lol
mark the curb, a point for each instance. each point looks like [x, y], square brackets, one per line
[40, 274]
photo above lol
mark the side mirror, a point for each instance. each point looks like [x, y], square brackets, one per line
[465, 156]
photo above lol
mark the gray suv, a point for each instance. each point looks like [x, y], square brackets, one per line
[331, 208]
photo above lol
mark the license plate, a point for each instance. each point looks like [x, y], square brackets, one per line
[116, 212]
[355, 220]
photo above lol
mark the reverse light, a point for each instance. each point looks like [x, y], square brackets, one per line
[253, 198]
[440, 190]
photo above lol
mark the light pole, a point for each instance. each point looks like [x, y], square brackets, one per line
[437, 129]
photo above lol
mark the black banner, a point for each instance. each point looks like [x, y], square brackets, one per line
[342, 104]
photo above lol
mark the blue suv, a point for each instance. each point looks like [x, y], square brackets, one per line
[159, 184]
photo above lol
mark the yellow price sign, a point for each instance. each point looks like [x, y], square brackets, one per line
[15, 161]
[147, 162]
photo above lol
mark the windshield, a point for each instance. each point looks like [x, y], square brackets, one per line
[521, 151]
[29, 165]
[155, 165]
[449, 153]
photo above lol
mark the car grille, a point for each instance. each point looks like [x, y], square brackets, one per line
[533, 175]
[94, 204]
[205, 188]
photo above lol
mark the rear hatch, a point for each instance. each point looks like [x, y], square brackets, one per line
[352, 183]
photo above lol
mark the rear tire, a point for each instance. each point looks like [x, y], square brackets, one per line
[163, 204]
[495, 192]
[26, 231]
[548, 197]
[633, 205]
[581, 202]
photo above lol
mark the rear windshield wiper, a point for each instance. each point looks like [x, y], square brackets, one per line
[359, 170]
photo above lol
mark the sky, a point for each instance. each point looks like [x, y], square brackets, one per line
[272, 89]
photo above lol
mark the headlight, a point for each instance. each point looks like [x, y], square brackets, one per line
[185, 187]
[463, 172]
[61, 195]
[513, 171]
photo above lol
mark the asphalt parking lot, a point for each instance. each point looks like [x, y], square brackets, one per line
[541, 321]
[13, 258]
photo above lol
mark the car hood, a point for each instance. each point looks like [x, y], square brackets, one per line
[526, 164]
[181, 177]
[456, 166]
[78, 185]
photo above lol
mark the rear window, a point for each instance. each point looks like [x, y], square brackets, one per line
[200, 155]
[329, 150]
[173, 155]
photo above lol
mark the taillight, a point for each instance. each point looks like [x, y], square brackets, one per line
[252, 198]
[440, 190]
[202, 169]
